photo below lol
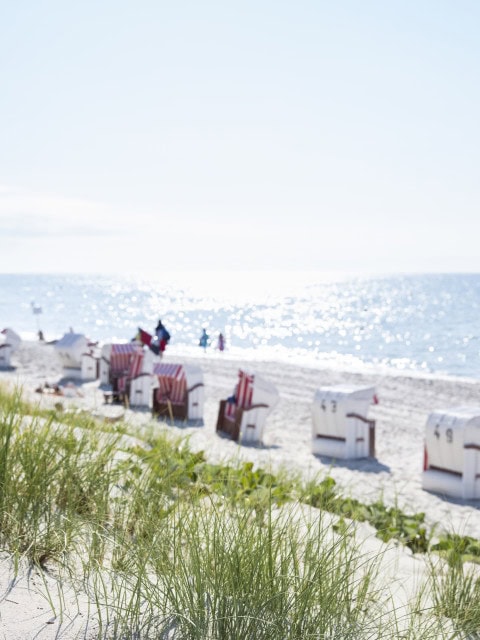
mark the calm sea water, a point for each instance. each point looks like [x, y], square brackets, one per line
[422, 323]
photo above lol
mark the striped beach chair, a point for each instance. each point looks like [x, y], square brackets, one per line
[135, 388]
[115, 363]
[243, 415]
[179, 391]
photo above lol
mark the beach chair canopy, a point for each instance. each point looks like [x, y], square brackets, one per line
[121, 356]
[172, 382]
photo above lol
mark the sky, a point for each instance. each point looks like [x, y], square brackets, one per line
[308, 135]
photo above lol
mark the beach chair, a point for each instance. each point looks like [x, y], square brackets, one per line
[115, 362]
[9, 343]
[135, 388]
[452, 453]
[12, 338]
[179, 391]
[69, 350]
[340, 427]
[244, 414]
[90, 363]
[6, 351]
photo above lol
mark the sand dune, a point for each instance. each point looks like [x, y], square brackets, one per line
[395, 474]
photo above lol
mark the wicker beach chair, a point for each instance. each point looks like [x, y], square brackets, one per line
[135, 387]
[9, 336]
[179, 391]
[6, 351]
[452, 453]
[115, 363]
[69, 350]
[244, 414]
[341, 428]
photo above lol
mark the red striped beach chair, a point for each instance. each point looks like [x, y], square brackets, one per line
[114, 365]
[243, 415]
[179, 391]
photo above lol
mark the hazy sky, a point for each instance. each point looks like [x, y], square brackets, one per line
[268, 134]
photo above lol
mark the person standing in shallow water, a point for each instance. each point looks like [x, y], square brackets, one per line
[221, 342]
[203, 342]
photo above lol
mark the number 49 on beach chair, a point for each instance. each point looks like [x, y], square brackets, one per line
[452, 453]
[243, 415]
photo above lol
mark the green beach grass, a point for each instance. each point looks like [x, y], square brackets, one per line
[168, 545]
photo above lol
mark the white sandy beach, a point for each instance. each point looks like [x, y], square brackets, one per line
[394, 476]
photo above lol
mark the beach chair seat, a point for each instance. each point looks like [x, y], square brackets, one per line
[452, 453]
[244, 414]
[340, 426]
[179, 391]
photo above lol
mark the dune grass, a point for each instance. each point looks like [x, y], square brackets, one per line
[167, 545]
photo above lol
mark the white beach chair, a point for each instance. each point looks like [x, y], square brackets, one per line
[6, 351]
[90, 363]
[69, 349]
[12, 338]
[9, 343]
[452, 453]
[243, 416]
[340, 427]
[179, 391]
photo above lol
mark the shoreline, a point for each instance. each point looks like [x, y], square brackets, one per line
[281, 355]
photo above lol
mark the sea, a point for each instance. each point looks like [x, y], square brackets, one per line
[426, 324]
